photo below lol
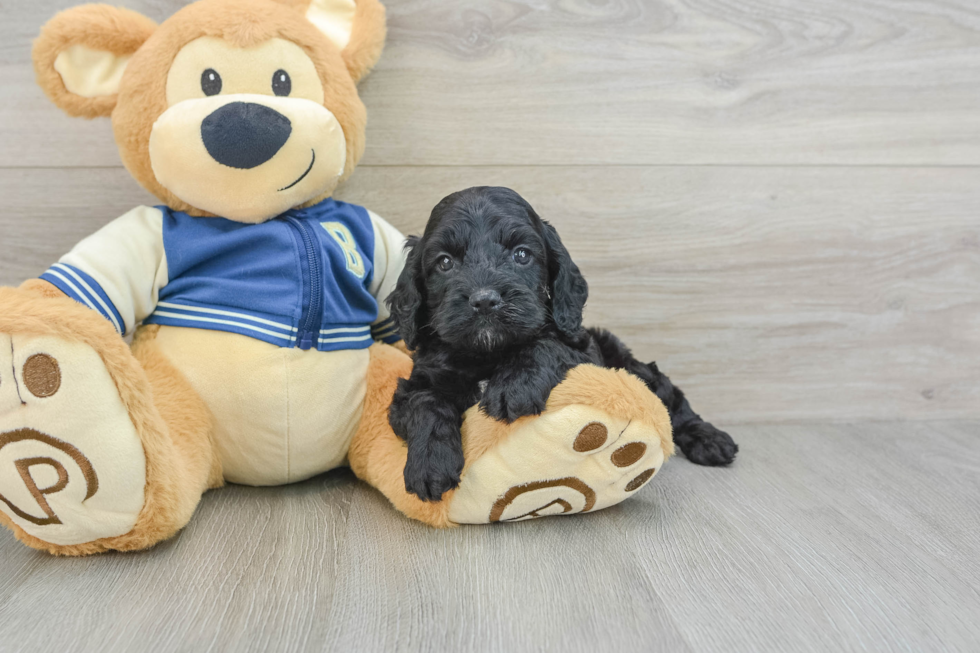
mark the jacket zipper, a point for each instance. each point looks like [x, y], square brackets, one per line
[308, 336]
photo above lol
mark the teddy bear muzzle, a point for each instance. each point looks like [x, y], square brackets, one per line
[247, 157]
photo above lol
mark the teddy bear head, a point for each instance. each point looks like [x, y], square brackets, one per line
[235, 108]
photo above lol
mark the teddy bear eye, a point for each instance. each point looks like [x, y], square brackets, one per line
[210, 82]
[281, 84]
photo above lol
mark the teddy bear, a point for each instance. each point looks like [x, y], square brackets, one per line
[259, 348]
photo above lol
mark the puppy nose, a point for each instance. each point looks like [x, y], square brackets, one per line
[244, 134]
[484, 301]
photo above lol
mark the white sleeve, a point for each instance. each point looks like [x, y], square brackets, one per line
[389, 259]
[119, 270]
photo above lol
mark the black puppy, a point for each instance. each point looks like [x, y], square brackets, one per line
[491, 302]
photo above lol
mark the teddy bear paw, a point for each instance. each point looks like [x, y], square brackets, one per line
[72, 466]
[576, 459]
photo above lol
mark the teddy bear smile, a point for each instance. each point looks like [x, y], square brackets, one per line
[302, 176]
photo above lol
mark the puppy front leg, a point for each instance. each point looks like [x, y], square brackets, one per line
[522, 384]
[431, 426]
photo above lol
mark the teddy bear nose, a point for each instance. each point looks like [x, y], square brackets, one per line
[244, 134]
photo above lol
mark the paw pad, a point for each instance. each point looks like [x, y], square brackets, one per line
[572, 494]
[42, 376]
[638, 482]
[628, 454]
[591, 437]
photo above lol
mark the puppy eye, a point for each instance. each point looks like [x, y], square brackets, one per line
[281, 83]
[210, 82]
[522, 255]
[445, 263]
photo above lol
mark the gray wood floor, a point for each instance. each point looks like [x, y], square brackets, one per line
[776, 199]
[821, 538]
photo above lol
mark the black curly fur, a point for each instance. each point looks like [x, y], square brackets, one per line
[493, 325]
[701, 442]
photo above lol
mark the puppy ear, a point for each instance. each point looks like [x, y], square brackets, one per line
[356, 27]
[406, 301]
[569, 290]
[81, 53]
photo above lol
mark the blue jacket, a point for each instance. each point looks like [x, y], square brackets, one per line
[309, 278]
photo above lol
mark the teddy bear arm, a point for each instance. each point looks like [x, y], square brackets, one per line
[41, 288]
[117, 271]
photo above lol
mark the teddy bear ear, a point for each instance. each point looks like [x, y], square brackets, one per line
[81, 53]
[356, 27]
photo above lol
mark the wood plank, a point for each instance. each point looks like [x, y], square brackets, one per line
[555, 82]
[254, 570]
[820, 537]
[790, 549]
[768, 293]
[546, 586]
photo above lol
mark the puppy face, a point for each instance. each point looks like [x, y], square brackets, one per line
[486, 280]
[487, 274]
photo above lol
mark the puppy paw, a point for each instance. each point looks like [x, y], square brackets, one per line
[433, 470]
[512, 399]
[703, 444]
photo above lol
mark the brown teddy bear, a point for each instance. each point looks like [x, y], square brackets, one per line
[261, 353]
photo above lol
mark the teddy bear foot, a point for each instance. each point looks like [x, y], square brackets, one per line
[574, 459]
[72, 466]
